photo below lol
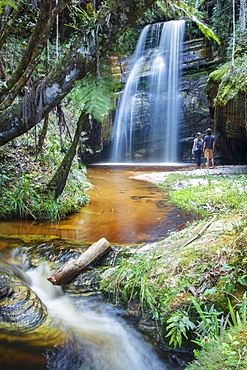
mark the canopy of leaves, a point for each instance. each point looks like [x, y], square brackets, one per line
[189, 10]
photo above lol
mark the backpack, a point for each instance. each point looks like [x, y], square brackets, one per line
[199, 144]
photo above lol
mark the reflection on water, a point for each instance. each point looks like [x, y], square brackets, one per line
[121, 209]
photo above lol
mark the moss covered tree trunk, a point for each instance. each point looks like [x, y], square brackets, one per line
[59, 179]
[20, 115]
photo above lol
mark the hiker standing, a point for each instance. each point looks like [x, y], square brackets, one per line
[208, 147]
[197, 149]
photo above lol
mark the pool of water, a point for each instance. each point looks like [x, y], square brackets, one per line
[121, 209]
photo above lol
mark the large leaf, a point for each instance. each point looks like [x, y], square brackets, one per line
[94, 96]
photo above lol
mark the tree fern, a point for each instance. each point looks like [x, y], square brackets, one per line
[96, 96]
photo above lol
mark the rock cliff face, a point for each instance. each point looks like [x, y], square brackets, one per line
[195, 112]
[230, 122]
[199, 59]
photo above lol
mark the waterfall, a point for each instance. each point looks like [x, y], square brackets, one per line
[146, 125]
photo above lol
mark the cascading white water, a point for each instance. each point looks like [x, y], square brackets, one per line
[147, 117]
[96, 337]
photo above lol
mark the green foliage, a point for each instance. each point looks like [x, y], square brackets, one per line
[24, 178]
[96, 95]
[127, 42]
[131, 280]
[228, 353]
[12, 3]
[205, 29]
[222, 20]
[238, 317]
[222, 195]
[209, 326]
[218, 75]
[231, 80]
[26, 200]
[178, 325]
[90, 22]
[228, 349]
[189, 9]
[236, 273]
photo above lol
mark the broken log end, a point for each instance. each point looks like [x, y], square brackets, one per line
[52, 280]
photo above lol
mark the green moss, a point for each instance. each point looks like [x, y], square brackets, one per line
[218, 74]
[232, 80]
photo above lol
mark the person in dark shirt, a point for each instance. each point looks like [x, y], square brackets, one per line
[209, 147]
[197, 149]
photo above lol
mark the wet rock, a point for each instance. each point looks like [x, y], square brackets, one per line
[148, 325]
[230, 122]
[134, 307]
[21, 306]
[85, 284]
[22, 312]
[5, 289]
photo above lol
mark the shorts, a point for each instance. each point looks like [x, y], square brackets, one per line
[208, 153]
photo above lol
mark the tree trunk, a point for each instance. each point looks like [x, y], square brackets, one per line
[43, 134]
[233, 32]
[242, 16]
[30, 57]
[58, 181]
[80, 60]
[74, 266]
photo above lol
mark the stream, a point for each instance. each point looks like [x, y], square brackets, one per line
[121, 209]
[98, 337]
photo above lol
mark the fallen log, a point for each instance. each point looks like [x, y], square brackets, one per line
[75, 265]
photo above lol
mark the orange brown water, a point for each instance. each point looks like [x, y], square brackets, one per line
[121, 209]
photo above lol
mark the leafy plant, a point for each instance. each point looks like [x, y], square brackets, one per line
[12, 3]
[212, 323]
[22, 194]
[229, 349]
[230, 84]
[178, 325]
[238, 317]
[95, 96]
[133, 280]
[189, 9]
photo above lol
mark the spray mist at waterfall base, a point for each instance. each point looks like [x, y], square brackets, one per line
[96, 335]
